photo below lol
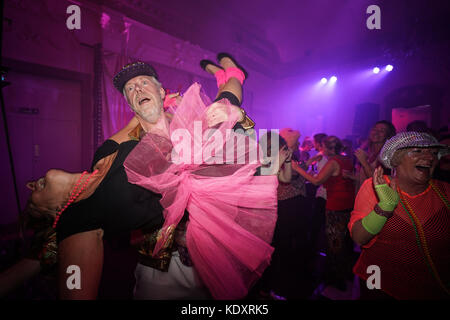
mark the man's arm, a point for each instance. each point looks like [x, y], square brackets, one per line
[15, 276]
[122, 135]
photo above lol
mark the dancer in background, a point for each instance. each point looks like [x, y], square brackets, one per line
[339, 204]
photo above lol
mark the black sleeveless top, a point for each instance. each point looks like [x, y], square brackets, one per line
[116, 206]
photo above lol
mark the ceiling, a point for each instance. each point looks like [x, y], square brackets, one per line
[282, 38]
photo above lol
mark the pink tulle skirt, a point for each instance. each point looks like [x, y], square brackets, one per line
[232, 213]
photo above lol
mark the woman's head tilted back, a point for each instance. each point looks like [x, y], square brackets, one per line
[50, 192]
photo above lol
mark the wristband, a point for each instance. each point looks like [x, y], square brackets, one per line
[373, 222]
[243, 114]
[381, 212]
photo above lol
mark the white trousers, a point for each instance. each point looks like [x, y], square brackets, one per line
[179, 283]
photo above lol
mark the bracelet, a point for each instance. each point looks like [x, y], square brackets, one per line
[243, 114]
[288, 161]
[381, 212]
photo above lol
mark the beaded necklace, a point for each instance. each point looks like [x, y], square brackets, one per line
[420, 234]
[74, 194]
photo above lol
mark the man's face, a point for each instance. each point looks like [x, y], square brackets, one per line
[145, 97]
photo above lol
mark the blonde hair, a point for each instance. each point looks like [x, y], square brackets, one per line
[35, 217]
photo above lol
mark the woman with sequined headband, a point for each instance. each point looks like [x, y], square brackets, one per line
[402, 223]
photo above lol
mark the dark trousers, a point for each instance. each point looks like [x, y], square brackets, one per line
[317, 221]
[287, 274]
[339, 260]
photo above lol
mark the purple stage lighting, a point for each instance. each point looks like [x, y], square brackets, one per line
[376, 70]
[333, 79]
[323, 80]
[389, 67]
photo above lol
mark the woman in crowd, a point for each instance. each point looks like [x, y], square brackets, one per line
[402, 222]
[367, 154]
[286, 275]
[339, 203]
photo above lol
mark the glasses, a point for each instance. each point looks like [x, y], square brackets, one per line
[421, 152]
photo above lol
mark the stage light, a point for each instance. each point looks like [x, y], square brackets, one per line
[389, 67]
[333, 79]
[323, 80]
[376, 70]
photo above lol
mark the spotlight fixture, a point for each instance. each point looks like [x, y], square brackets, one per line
[323, 80]
[333, 79]
[376, 70]
[389, 67]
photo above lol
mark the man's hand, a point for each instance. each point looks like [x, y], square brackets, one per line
[172, 99]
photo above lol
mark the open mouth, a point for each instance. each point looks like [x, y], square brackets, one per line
[424, 168]
[144, 100]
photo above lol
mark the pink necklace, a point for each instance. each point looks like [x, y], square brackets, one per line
[74, 194]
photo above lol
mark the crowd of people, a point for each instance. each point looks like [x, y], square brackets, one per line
[348, 181]
[210, 229]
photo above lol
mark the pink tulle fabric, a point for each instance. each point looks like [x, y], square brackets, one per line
[232, 213]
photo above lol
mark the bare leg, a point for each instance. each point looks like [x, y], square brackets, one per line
[212, 69]
[84, 251]
[232, 85]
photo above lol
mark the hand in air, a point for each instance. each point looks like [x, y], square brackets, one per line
[285, 154]
[387, 194]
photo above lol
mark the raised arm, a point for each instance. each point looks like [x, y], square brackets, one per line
[285, 170]
[330, 168]
[367, 228]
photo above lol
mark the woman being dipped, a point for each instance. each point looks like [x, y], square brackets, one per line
[87, 205]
